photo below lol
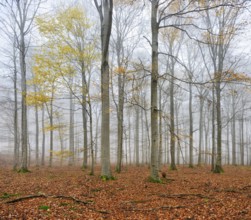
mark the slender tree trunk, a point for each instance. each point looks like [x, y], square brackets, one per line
[120, 109]
[51, 132]
[129, 137]
[206, 129]
[120, 116]
[37, 135]
[190, 126]
[137, 136]
[167, 145]
[60, 134]
[84, 116]
[71, 129]
[233, 132]
[200, 129]
[148, 136]
[177, 132]
[16, 136]
[91, 138]
[160, 129]
[154, 92]
[24, 164]
[142, 137]
[43, 138]
[96, 138]
[242, 137]
[213, 129]
[218, 167]
[172, 126]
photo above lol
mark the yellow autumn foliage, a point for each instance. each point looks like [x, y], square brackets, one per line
[64, 50]
[54, 127]
[62, 154]
[241, 77]
[36, 98]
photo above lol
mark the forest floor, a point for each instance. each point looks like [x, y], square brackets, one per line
[69, 193]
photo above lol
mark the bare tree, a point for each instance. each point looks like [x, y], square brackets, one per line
[125, 23]
[23, 13]
[220, 24]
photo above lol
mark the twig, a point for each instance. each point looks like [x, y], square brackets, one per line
[25, 197]
[57, 197]
[158, 208]
[173, 207]
[48, 196]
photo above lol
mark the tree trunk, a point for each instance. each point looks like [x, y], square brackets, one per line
[137, 136]
[228, 149]
[160, 129]
[37, 134]
[213, 129]
[148, 136]
[177, 132]
[16, 136]
[43, 138]
[172, 126]
[242, 137]
[84, 116]
[71, 129]
[190, 126]
[105, 13]
[201, 129]
[233, 132]
[120, 116]
[51, 131]
[24, 164]
[218, 166]
[154, 91]
[143, 145]
[91, 138]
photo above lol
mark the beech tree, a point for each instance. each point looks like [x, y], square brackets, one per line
[23, 12]
[221, 23]
[46, 69]
[68, 30]
[105, 9]
[124, 25]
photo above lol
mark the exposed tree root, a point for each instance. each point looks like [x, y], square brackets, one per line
[183, 195]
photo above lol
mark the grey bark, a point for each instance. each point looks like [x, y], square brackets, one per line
[91, 138]
[154, 90]
[137, 111]
[160, 129]
[51, 130]
[233, 131]
[190, 125]
[242, 137]
[71, 128]
[43, 138]
[202, 96]
[84, 115]
[24, 135]
[213, 129]
[228, 142]
[105, 12]
[16, 133]
[37, 132]
[172, 124]
[178, 152]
